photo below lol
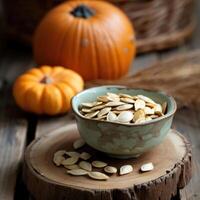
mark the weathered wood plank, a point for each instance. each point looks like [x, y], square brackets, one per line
[12, 142]
[13, 123]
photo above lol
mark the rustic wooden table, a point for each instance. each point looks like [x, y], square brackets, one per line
[18, 129]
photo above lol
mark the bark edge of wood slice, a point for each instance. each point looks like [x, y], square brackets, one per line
[172, 161]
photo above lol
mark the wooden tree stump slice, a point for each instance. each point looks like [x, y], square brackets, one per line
[172, 171]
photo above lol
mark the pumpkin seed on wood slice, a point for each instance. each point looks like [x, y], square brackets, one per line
[125, 116]
[72, 153]
[146, 99]
[114, 103]
[103, 98]
[75, 166]
[77, 172]
[98, 176]
[164, 107]
[104, 111]
[92, 114]
[139, 104]
[110, 169]
[111, 116]
[70, 161]
[126, 169]
[99, 164]
[85, 165]
[148, 111]
[147, 167]
[85, 156]
[59, 157]
[124, 107]
[127, 100]
[140, 114]
[78, 143]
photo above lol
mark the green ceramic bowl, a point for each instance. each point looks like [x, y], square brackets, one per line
[123, 140]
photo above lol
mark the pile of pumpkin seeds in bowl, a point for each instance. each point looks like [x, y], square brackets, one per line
[123, 108]
[82, 164]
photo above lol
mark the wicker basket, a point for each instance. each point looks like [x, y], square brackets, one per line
[159, 24]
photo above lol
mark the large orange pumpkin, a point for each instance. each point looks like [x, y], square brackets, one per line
[47, 90]
[94, 38]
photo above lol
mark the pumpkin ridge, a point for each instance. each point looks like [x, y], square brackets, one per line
[93, 52]
[115, 56]
[68, 41]
[65, 106]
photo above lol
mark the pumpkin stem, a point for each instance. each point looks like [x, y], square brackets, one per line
[82, 11]
[46, 80]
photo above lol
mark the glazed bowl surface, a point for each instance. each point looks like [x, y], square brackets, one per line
[123, 140]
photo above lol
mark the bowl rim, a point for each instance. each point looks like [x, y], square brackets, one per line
[166, 116]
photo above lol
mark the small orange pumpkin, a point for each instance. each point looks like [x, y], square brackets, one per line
[93, 38]
[47, 90]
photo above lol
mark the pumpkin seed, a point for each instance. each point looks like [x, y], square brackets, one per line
[98, 176]
[146, 99]
[141, 120]
[99, 164]
[77, 172]
[72, 153]
[85, 156]
[148, 118]
[158, 108]
[125, 116]
[72, 166]
[112, 107]
[70, 161]
[103, 98]
[111, 117]
[85, 110]
[150, 105]
[126, 169]
[90, 105]
[78, 143]
[97, 107]
[154, 116]
[127, 100]
[100, 118]
[124, 107]
[59, 157]
[140, 114]
[139, 104]
[85, 165]
[104, 111]
[164, 107]
[110, 169]
[113, 99]
[110, 94]
[114, 103]
[125, 95]
[147, 167]
[91, 115]
[148, 111]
